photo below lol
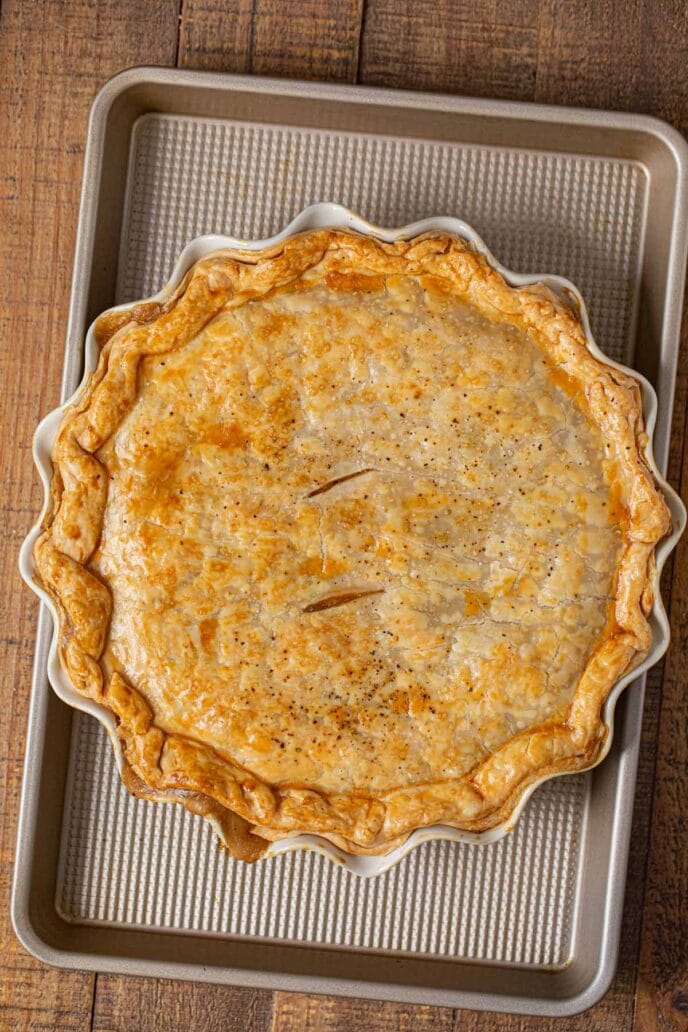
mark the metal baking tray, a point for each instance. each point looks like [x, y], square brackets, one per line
[528, 924]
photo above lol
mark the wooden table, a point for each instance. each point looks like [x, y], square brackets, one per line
[54, 54]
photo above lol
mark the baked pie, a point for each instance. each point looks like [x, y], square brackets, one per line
[353, 538]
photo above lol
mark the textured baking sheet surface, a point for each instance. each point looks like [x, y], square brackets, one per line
[132, 863]
[124, 861]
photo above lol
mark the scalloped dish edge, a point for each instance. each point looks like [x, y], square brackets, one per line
[332, 216]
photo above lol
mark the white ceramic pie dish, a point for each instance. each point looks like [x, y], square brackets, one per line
[335, 216]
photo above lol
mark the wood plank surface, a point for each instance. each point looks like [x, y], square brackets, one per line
[332, 1014]
[53, 57]
[153, 1004]
[485, 48]
[309, 39]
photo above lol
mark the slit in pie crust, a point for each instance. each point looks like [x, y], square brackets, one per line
[353, 538]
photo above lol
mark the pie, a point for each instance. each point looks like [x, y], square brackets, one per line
[353, 538]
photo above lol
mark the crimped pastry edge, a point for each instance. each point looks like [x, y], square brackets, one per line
[627, 652]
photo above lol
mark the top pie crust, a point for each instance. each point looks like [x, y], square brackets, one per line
[353, 538]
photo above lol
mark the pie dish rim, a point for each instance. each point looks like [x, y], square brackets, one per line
[335, 217]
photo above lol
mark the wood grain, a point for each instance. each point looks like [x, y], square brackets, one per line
[215, 35]
[626, 56]
[310, 39]
[53, 56]
[485, 48]
[332, 1014]
[155, 1005]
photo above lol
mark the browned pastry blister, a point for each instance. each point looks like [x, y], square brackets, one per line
[353, 538]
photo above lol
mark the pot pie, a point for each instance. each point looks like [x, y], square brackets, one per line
[353, 538]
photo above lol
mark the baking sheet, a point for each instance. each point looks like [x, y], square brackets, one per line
[523, 904]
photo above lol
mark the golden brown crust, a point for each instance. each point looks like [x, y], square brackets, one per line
[161, 764]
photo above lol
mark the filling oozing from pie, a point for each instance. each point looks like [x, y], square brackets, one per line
[357, 536]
